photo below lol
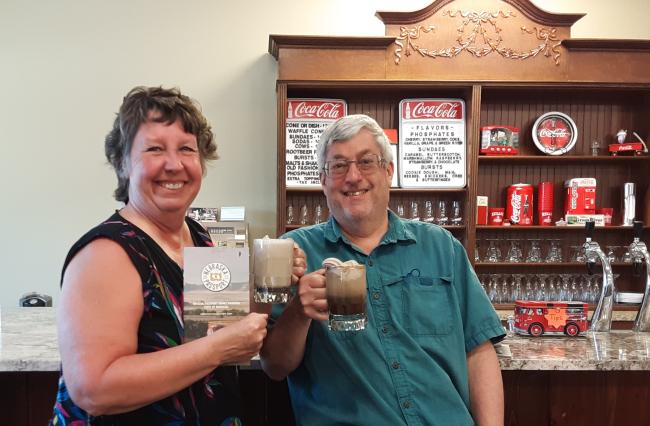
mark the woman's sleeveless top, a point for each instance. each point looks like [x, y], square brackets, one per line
[211, 401]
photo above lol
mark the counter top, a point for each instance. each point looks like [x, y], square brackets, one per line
[615, 350]
[28, 340]
[28, 343]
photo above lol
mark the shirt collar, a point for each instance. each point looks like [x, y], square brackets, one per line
[396, 230]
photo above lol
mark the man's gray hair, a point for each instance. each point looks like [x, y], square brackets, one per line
[346, 128]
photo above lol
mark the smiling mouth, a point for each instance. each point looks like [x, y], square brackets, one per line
[174, 185]
[355, 193]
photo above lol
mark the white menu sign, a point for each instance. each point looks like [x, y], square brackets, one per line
[432, 144]
[306, 120]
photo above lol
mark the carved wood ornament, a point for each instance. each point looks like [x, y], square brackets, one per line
[480, 32]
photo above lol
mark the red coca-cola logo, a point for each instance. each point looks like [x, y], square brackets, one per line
[314, 110]
[439, 110]
[515, 202]
[554, 133]
[574, 196]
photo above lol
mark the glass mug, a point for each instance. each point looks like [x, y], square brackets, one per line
[345, 287]
[272, 268]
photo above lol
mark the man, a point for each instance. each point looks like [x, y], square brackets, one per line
[425, 356]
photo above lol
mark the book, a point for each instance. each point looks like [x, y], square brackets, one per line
[216, 288]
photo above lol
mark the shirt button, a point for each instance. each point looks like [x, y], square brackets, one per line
[369, 262]
[384, 329]
[396, 365]
[406, 404]
[376, 296]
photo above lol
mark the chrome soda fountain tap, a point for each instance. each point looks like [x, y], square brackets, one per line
[602, 318]
[639, 253]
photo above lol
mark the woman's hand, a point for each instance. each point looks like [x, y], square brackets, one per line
[299, 264]
[241, 340]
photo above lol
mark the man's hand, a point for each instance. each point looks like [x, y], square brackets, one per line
[311, 296]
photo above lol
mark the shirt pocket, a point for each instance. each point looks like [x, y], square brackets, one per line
[426, 304]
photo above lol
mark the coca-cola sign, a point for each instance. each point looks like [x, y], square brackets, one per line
[452, 110]
[555, 133]
[306, 119]
[432, 145]
[315, 110]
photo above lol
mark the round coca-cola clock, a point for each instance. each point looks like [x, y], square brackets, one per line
[555, 133]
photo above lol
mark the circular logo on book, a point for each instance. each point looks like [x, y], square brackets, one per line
[215, 276]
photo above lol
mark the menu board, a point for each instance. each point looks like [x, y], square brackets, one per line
[432, 143]
[306, 120]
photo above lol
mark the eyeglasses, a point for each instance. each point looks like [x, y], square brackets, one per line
[367, 164]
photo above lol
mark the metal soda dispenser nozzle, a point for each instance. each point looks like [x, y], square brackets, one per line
[602, 318]
[639, 253]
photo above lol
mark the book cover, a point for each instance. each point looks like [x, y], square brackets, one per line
[216, 288]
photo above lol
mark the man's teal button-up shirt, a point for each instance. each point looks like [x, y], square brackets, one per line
[426, 311]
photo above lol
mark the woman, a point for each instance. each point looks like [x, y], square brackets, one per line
[120, 321]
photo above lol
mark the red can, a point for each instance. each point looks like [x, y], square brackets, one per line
[545, 203]
[519, 204]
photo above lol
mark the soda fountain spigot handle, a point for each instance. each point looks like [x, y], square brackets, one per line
[591, 264]
[589, 229]
[638, 230]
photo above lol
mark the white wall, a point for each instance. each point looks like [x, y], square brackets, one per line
[65, 66]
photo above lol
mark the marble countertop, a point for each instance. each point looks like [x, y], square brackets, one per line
[28, 340]
[28, 343]
[615, 350]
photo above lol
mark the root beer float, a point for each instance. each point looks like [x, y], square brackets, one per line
[346, 294]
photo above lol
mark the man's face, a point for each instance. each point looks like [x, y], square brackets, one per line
[357, 196]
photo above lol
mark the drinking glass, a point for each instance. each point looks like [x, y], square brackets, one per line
[400, 210]
[318, 214]
[534, 252]
[554, 252]
[456, 215]
[541, 293]
[290, 217]
[442, 218]
[477, 251]
[428, 211]
[345, 287]
[493, 253]
[272, 268]
[565, 291]
[515, 254]
[627, 257]
[595, 147]
[529, 291]
[505, 292]
[493, 293]
[415, 215]
[304, 215]
[517, 291]
[578, 254]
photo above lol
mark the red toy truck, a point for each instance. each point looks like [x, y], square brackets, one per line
[553, 318]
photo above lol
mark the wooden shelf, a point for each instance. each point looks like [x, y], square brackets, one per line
[586, 159]
[617, 306]
[392, 190]
[553, 228]
[448, 227]
[509, 265]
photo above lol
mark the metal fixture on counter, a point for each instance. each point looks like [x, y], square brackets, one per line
[639, 253]
[629, 203]
[602, 318]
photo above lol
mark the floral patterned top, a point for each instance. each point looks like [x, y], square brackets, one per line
[211, 401]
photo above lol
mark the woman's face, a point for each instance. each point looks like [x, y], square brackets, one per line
[164, 169]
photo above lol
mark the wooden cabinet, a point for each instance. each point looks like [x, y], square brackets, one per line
[510, 62]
